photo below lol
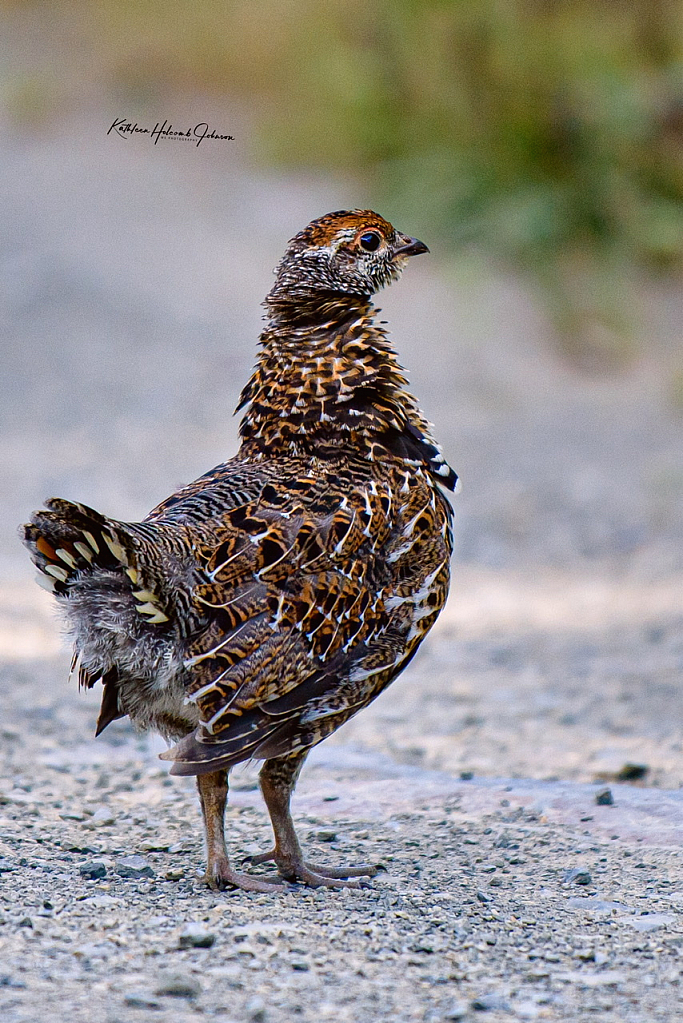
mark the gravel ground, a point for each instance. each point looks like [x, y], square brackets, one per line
[509, 899]
[131, 282]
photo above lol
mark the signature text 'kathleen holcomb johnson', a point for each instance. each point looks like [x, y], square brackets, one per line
[127, 129]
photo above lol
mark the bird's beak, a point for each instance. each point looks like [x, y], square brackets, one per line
[410, 247]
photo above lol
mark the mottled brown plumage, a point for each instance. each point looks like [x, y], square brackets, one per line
[254, 611]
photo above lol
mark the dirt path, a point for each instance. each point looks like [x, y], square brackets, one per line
[519, 899]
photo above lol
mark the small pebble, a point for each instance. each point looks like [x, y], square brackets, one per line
[101, 817]
[577, 876]
[489, 1003]
[133, 867]
[154, 845]
[6, 980]
[141, 1000]
[604, 797]
[651, 921]
[596, 905]
[177, 984]
[255, 1010]
[193, 935]
[92, 870]
[454, 1011]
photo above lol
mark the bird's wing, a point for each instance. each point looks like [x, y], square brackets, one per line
[291, 587]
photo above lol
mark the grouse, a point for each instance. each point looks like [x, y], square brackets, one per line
[254, 611]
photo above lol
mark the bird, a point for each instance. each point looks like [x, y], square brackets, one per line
[257, 609]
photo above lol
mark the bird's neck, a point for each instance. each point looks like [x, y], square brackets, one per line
[328, 379]
[321, 367]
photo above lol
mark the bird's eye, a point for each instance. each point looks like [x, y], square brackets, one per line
[370, 241]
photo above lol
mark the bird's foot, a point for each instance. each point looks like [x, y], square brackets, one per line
[220, 875]
[358, 870]
[313, 876]
[316, 876]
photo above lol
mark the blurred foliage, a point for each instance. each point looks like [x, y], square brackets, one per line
[548, 133]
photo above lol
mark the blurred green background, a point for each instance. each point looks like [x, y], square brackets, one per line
[543, 134]
[536, 148]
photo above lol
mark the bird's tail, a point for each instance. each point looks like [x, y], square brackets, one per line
[95, 561]
[67, 539]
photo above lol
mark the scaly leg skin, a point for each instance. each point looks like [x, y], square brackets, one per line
[277, 779]
[213, 795]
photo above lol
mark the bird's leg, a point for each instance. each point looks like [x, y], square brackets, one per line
[277, 779]
[213, 795]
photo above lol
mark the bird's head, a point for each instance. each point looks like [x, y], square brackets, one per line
[353, 252]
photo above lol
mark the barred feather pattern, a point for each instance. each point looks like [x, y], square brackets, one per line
[254, 611]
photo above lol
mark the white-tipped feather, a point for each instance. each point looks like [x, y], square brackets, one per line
[46, 583]
[76, 665]
[91, 540]
[116, 549]
[66, 557]
[157, 618]
[155, 614]
[147, 609]
[58, 572]
[84, 551]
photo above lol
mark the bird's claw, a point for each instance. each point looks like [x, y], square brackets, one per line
[302, 877]
[256, 858]
[313, 875]
[220, 875]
